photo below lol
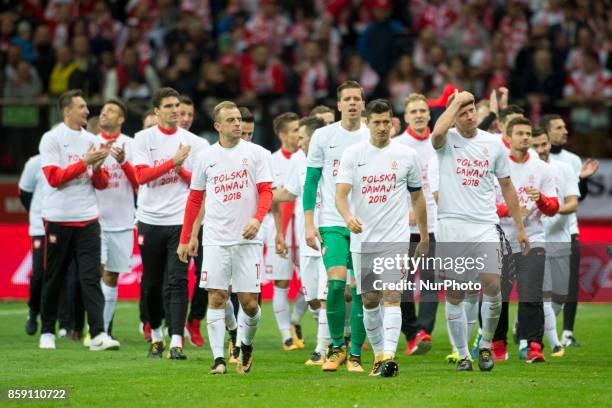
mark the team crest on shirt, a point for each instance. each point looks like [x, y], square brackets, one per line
[37, 244]
[140, 239]
[245, 162]
[52, 238]
[394, 165]
[485, 152]
[204, 276]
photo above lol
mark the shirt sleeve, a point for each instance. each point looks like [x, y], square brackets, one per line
[198, 176]
[316, 156]
[263, 167]
[27, 181]
[549, 186]
[293, 182]
[571, 181]
[414, 179]
[502, 163]
[347, 165]
[49, 151]
[140, 155]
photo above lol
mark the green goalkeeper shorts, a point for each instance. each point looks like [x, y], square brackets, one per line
[336, 247]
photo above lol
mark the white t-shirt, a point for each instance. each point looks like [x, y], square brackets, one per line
[533, 173]
[75, 200]
[380, 180]
[230, 178]
[325, 150]
[295, 185]
[425, 152]
[433, 174]
[557, 227]
[574, 161]
[116, 201]
[162, 201]
[468, 170]
[33, 181]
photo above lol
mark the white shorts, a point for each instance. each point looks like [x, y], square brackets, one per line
[277, 267]
[238, 266]
[116, 251]
[314, 277]
[460, 241]
[556, 274]
[364, 275]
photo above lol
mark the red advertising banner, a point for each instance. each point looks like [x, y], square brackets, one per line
[11, 210]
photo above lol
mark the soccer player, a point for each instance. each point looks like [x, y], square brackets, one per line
[278, 268]
[73, 169]
[557, 132]
[469, 159]
[379, 174]
[418, 330]
[558, 238]
[326, 148]
[537, 195]
[162, 156]
[199, 298]
[248, 124]
[312, 269]
[234, 179]
[505, 116]
[149, 119]
[325, 113]
[32, 185]
[116, 203]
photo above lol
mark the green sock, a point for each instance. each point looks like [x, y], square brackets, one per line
[336, 311]
[358, 333]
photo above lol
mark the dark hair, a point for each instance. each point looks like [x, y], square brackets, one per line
[246, 114]
[161, 94]
[119, 104]
[510, 110]
[349, 85]
[378, 106]
[538, 132]
[516, 122]
[185, 100]
[546, 119]
[282, 120]
[65, 99]
[311, 123]
[317, 110]
[148, 113]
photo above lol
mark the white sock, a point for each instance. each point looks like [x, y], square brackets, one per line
[470, 305]
[240, 316]
[457, 328]
[557, 307]
[323, 337]
[567, 333]
[110, 302]
[280, 305]
[392, 322]
[299, 308]
[550, 324]
[373, 323]
[247, 327]
[490, 312]
[215, 324]
[230, 318]
[315, 313]
[176, 341]
[157, 334]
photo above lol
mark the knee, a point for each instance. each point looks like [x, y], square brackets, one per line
[347, 294]
[454, 297]
[250, 305]
[110, 279]
[217, 299]
[371, 299]
[314, 304]
[559, 299]
[282, 284]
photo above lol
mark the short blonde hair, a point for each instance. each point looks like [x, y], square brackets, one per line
[220, 106]
[413, 97]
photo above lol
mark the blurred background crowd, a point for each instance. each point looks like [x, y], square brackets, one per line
[274, 56]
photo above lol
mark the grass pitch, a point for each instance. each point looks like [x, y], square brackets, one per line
[126, 378]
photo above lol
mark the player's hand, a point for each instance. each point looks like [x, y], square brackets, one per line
[181, 155]
[463, 98]
[251, 229]
[281, 245]
[183, 252]
[503, 97]
[118, 153]
[313, 237]
[533, 193]
[493, 102]
[589, 167]
[354, 224]
[411, 218]
[94, 155]
[523, 240]
[422, 248]
[193, 246]
[524, 211]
